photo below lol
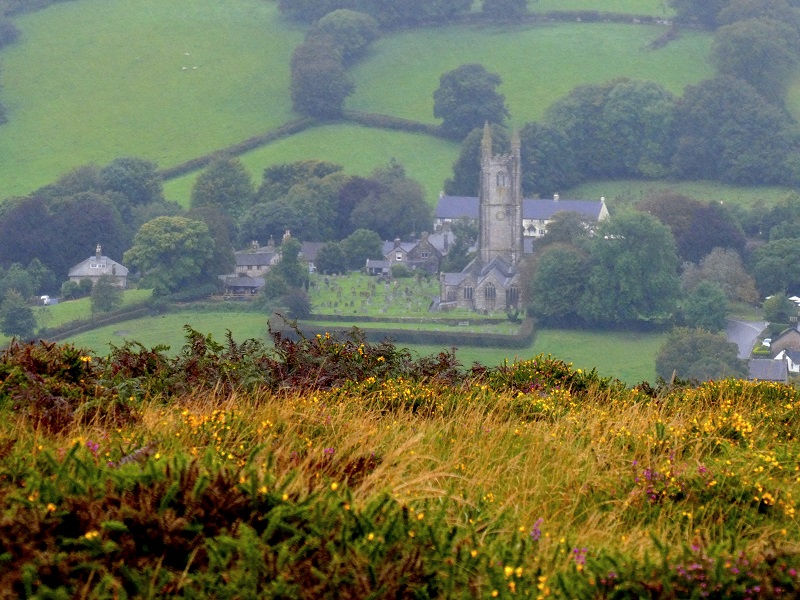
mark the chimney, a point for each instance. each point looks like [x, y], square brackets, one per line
[98, 252]
[424, 236]
[555, 197]
[254, 245]
[396, 242]
[287, 235]
[271, 242]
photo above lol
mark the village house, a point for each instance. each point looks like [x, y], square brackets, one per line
[94, 267]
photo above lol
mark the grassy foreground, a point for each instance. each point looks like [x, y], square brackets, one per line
[336, 468]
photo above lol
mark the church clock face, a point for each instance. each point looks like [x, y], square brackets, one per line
[501, 214]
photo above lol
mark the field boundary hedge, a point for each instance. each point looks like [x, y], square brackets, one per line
[56, 334]
[522, 339]
[251, 143]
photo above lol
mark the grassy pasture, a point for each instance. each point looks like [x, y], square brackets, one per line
[627, 192]
[359, 149]
[626, 355]
[538, 64]
[656, 8]
[92, 80]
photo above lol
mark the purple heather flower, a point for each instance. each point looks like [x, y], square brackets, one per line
[536, 531]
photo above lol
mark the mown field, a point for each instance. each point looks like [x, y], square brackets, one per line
[628, 356]
[359, 149]
[538, 64]
[627, 192]
[343, 469]
[656, 8]
[92, 80]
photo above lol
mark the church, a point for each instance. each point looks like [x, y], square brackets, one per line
[507, 225]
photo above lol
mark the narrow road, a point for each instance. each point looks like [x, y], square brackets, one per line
[744, 334]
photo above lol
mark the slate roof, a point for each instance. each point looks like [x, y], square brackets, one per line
[310, 250]
[389, 247]
[84, 269]
[766, 369]
[243, 281]
[793, 355]
[460, 207]
[255, 259]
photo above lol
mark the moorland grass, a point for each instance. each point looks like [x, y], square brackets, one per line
[538, 64]
[627, 192]
[92, 80]
[551, 479]
[360, 150]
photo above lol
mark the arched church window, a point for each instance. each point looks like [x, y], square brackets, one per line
[490, 292]
[501, 179]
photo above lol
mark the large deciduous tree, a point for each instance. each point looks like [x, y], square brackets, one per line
[705, 307]
[558, 282]
[171, 252]
[135, 178]
[727, 131]
[399, 208]
[633, 273]
[776, 266]
[16, 317]
[466, 98]
[320, 82]
[351, 31]
[106, 295]
[723, 267]
[762, 52]
[703, 12]
[225, 184]
[695, 354]
[548, 161]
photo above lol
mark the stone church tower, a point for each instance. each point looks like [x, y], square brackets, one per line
[500, 215]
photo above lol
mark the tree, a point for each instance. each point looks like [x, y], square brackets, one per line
[223, 231]
[695, 354]
[724, 268]
[297, 303]
[290, 268]
[632, 277]
[17, 317]
[467, 98]
[727, 131]
[135, 178]
[558, 282]
[19, 280]
[706, 307]
[351, 31]
[703, 12]
[359, 246]
[635, 118]
[225, 184]
[279, 179]
[762, 52]
[548, 161]
[171, 252]
[106, 295]
[320, 82]
[775, 10]
[776, 266]
[398, 210]
[779, 309]
[331, 259]
[465, 234]
[566, 228]
[504, 9]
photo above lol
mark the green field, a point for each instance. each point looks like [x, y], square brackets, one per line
[92, 80]
[629, 356]
[359, 149]
[626, 192]
[656, 8]
[538, 64]
[74, 310]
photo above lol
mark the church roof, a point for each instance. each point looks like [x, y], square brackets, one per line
[467, 207]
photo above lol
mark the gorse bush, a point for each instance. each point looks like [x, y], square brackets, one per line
[330, 466]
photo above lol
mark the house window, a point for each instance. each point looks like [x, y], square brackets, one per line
[490, 292]
[398, 256]
[425, 255]
[97, 265]
[467, 293]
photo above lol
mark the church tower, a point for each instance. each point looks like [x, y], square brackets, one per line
[500, 213]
